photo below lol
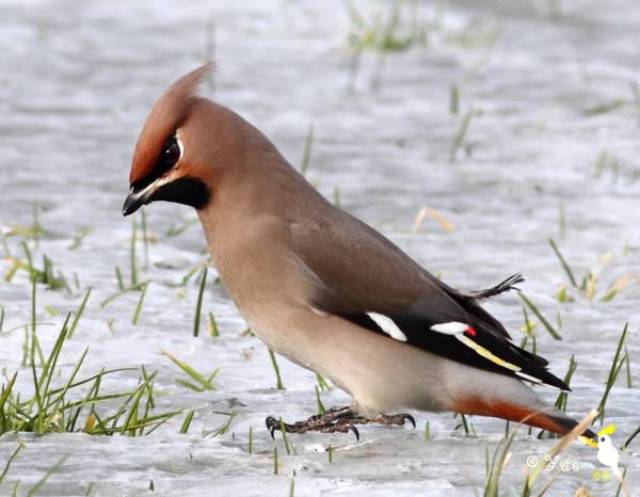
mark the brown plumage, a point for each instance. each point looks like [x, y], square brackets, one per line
[323, 288]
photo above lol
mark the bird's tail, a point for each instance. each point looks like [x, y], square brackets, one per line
[504, 286]
[547, 418]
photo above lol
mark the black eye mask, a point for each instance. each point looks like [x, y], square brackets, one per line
[168, 158]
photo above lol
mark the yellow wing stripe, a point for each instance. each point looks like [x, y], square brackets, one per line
[486, 353]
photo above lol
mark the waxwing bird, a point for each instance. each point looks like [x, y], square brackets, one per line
[326, 290]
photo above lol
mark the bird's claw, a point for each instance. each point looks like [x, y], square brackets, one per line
[408, 417]
[355, 431]
[272, 425]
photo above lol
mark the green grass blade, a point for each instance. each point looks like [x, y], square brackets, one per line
[563, 262]
[284, 437]
[276, 368]
[547, 325]
[306, 155]
[145, 239]
[76, 318]
[61, 394]
[136, 314]
[132, 253]
[319, 405]
[213, 326]
[12, 457]
[459, 137]
[200, 379]
[40, 483]
[196, 319]
[616, 366]
[120, 293]
[186, 424]
[119, 279]
[492, 482]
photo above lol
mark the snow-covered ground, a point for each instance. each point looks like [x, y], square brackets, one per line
[551, 151]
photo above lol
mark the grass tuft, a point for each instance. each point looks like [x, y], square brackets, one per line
[498, 462]
[59, 408]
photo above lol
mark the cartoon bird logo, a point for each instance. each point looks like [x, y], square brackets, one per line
[608, 456]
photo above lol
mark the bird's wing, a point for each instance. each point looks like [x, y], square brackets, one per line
[367, 279]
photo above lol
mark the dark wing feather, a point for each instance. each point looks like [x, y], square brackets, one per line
[416, 325]
[362, 272]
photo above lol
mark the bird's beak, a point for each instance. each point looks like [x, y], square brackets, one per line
[132, 203]
[138, 197]
[182, 190]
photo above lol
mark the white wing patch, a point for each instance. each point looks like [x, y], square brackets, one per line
[450, 328]
[388, 326]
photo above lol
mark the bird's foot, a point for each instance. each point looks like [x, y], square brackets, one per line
[337, 420]
[389, 419]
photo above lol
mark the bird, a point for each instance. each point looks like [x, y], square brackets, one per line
[324, 289]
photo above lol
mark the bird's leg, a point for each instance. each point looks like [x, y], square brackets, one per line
[340, 420]
[387, 419]
[332, 421]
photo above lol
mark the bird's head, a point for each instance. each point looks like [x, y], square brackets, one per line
[185, 144]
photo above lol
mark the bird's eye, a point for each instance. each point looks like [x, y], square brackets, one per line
[602, 439]
[170, 152]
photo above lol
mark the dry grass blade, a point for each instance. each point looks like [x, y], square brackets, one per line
[427, 212]
[582, 492]
[617, 286]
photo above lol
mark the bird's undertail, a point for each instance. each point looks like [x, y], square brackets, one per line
[503, 286]
[549, 419]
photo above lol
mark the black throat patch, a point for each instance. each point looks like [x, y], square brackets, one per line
[186, 190]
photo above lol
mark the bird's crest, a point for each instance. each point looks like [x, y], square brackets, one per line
[166, 116]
